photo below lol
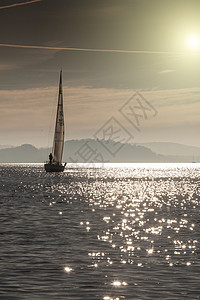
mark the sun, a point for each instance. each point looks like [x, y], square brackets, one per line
[193, 42]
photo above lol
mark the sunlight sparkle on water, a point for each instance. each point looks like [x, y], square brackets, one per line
[118, 283]
[138, 208]
[150, 251]
[68, 269]
[109, 298]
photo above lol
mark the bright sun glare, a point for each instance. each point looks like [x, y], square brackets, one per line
[193, 42]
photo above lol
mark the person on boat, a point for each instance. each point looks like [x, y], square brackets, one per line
[50, 158]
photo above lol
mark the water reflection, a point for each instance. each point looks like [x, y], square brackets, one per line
[118, 283]
[68, 269]
[106, 233]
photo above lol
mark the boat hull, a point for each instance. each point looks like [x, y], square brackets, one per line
[54, 168]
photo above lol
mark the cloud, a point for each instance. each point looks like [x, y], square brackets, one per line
[166, 71]
[88, 49]
[6, 67]
[19, 4]
[28, 115]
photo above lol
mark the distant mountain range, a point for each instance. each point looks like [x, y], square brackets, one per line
[5, 146]
[89, 150]
[173, 149]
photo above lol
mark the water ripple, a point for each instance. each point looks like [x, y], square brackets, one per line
[119, 232]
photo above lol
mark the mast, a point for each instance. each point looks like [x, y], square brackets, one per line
[58, 141]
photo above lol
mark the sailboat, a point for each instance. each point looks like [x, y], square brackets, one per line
[55, 157]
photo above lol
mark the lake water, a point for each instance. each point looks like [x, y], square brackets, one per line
[114, 232]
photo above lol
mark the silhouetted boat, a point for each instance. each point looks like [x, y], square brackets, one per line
[193, 160]
[55, 158]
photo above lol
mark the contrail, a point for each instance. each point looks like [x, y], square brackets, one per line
[87, 49]
[18, 4]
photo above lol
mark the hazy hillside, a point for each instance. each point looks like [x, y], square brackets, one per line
[5, 146]
[174, 149]
[24, 153]
[88, 150]
[91, 150]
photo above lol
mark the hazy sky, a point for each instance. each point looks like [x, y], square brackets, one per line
[118, 47]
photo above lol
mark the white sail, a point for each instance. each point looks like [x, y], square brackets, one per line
[58, 142]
